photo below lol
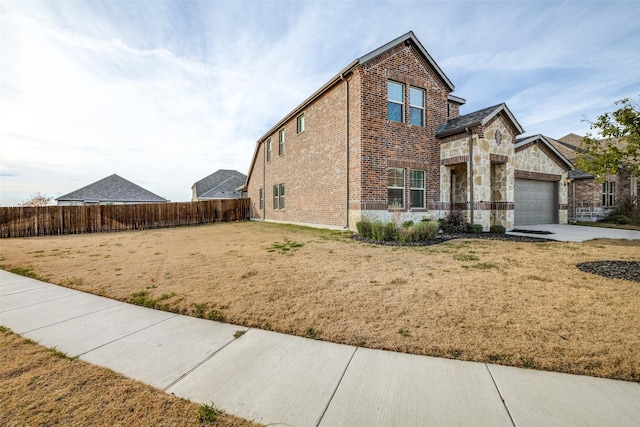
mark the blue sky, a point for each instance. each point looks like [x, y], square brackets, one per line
[164, 93]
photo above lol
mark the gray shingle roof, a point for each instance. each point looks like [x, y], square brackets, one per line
[480, 117]
[113, 189]
[221, 184]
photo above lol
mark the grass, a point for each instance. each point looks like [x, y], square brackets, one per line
[519, 304]
[45, 387]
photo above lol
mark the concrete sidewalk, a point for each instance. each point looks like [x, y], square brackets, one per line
[278, 379]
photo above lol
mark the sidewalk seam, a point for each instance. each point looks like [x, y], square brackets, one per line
[197, 365]
[128, 335]
[335, 390]
[38, 303]
[500, 394]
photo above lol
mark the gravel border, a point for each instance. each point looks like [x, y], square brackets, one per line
[625, 270]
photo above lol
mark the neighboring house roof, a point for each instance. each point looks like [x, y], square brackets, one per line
[113, 189]
[477, 118]
[522, 142]
[568, 150]
[408, 39]
[221, 184]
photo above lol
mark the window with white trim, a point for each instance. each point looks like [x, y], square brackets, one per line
[281, 142]
[608, 194]
[417, 189]
[395, 188]
[269, 147]
[300, 123]
[416, 106]
[395, 101]
[278, 197]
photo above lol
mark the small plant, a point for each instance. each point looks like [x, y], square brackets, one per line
[390, 232]
[377, 230]
[484, 265]
[364, 228]
[404, 332]
[453, 223]
[284, 247]
[407, 224]
[313, 333]
[249, 274]
[239, 333]
[26, 272]
[60, 354]
[465, 257]
[474, 228]
[209, 413]
[497, 228]
[426, 230]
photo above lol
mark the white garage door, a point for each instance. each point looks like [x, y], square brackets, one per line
[536, 202]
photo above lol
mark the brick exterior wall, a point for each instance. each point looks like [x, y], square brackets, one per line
[387, 143]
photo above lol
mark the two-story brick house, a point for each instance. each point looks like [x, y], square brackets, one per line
[384, 137]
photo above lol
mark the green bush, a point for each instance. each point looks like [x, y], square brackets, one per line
[407, 234]
[497, 228]
[426, 230]
[407, 224]
[390, 232]
[377, 230]
[474, 228]
[364, 228]
[626, 212]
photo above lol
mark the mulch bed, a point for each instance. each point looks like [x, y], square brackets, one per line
[626, 270]
[446, 237]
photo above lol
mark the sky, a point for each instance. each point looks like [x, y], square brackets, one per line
[164, 93]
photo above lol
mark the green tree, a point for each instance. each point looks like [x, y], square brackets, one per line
[616, 145]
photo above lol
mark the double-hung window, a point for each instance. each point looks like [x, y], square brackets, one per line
[395, 188]
[608, 194]
[395, 101]
[278, 197]
[269, 149]
[416, 106]
[417, 189]
[300, 123]
[281, 142]
[261, 198]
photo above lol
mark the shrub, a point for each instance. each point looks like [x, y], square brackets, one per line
[625, 212]
[364, 228]
[497, 228]
[407, 234]
[474, 228]
[426, 230]
[376, 230]
[454, 222]
[390, 232]
[407, 224]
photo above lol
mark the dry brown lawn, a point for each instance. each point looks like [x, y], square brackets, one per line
[42, 387]
[512, 303]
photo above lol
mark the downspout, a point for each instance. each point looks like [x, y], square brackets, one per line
[346, 100]
[264, 181]
[470, 175]
[573, 196]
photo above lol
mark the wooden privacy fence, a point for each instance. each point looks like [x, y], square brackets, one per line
[55, 220]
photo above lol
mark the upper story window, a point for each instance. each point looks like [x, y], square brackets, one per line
[417, 189]
[300, 125]
[416, 106]
[395, 101]
[281, 142]
[269, 147]
[395, 188]
[608, 194]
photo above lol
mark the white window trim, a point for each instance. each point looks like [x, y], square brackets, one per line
[404, 180]
[281, 139]
[269, 150]
[422, 109]
[300, 123]
[423, 188]
[400, 103]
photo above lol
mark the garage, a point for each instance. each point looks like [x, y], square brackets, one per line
[536, 202]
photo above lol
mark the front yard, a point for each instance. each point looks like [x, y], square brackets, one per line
[512, 303]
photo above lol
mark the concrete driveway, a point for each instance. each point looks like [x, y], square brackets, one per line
[574, 233]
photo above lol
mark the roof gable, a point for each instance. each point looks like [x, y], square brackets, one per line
[409, 38]
[522, 143]
[221, 184]
[477, 118]
[113, 189]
